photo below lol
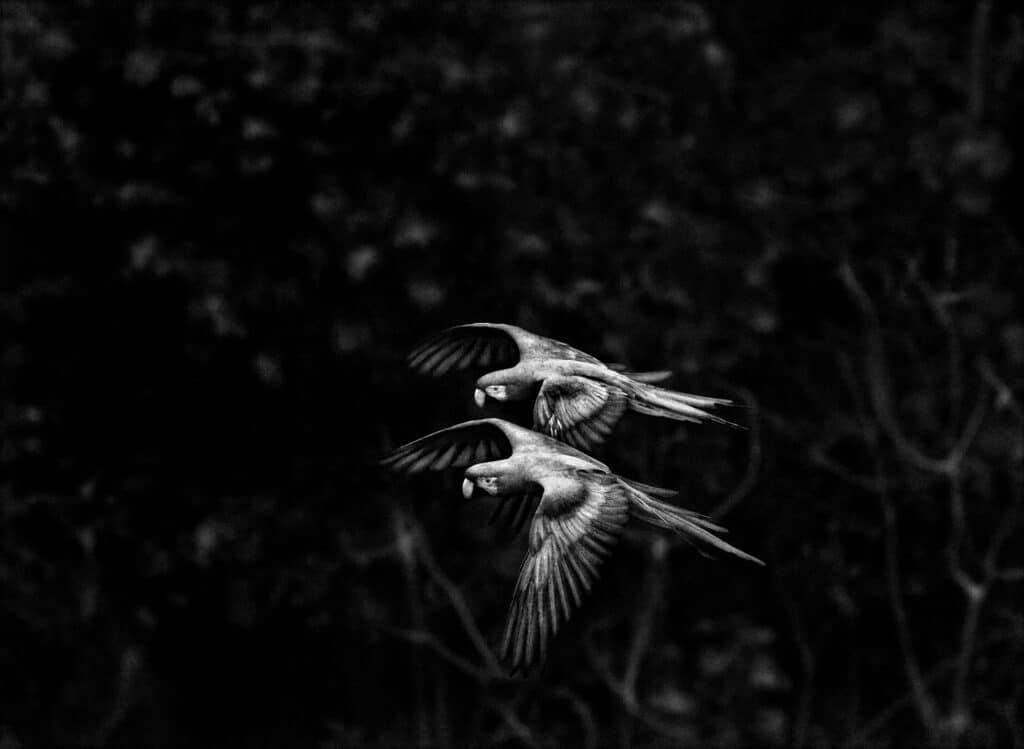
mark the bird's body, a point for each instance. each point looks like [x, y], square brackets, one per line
[536, 371]
[580, 398]
[581, 511]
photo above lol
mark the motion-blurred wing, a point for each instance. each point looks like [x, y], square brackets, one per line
[458, 446]
[579, 519]
[578, 410]
[465, 346]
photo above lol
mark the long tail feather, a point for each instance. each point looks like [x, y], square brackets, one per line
[668, 404]
[684, 522]
[657, 376]
[703, 401]
[654, 491]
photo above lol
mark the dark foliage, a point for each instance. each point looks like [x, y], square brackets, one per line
[223, 225]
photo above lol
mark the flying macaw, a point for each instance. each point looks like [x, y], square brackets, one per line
[580, 398]
[581, 512]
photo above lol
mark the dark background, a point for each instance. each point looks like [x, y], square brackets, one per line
[223, 225]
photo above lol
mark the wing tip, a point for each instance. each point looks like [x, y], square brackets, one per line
[388, 461]
[752, 558]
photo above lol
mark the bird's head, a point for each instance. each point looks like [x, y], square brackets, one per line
[498, 392]
[489, 386]
[488, 482]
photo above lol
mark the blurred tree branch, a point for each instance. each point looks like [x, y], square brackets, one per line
[951, 468]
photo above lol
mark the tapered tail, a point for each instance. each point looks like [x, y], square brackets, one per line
[654, 491]
[660, 514]
[658, 376]
[669, 404]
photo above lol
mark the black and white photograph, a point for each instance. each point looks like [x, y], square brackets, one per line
[511, 374]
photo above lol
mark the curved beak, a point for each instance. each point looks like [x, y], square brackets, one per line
[467, 488]
[479, 396]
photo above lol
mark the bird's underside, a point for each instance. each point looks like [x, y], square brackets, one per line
[581, 509]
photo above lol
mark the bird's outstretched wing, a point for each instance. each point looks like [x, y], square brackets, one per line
[490, 346]
[457, 446]
[578, 410]
[464, 346]
[579, 519]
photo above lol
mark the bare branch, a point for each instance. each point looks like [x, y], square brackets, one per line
[877, 373]
[958, 529]
[938, 308]
[428, 640]
[583, 713]
[458, 603]
[870, 484]
[923, 702]
[403, 551]
[644, 619]
[968, 643]
[1004, 393]
[368, 556]
[959, 451]
[976, 591]
[880, 391]
[860, 737]
[663, 728]
[513, 722]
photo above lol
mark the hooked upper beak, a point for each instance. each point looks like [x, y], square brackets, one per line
[479, 396]
[467, 488]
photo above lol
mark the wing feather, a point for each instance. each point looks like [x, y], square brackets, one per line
[466, 346]
[577, 523]
[455, 447]
[475, 353]
[578, 410]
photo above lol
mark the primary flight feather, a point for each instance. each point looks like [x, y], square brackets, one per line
[582, 508]
[580, 399]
